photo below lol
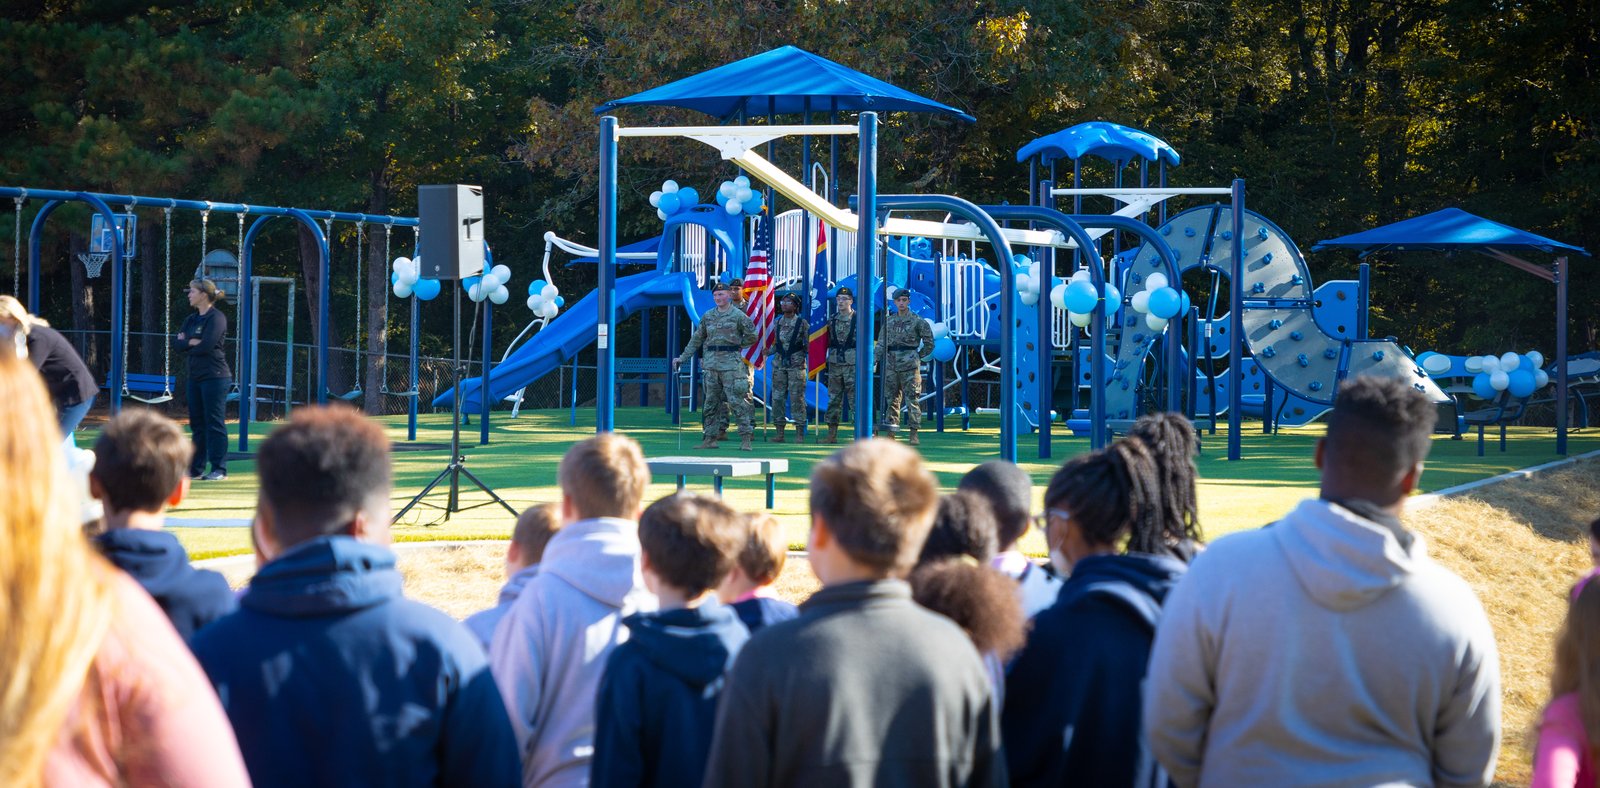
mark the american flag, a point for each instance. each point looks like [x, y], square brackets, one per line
[758, 293]
[817, 350]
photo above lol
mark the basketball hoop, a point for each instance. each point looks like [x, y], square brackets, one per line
[93, 263]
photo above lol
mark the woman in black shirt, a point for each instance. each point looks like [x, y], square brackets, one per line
[72, 388]
[209, 379]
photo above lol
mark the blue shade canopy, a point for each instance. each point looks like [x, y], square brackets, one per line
[1451, 228]
[1112, 141]
[782, 81]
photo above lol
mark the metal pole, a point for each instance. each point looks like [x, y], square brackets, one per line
[483, 388]
[866, 268]
[605, 373]
[117, 306]
[248, 328]
[411, 420]
[1235, 315]
[35, 238]
[1559, 271]
[1044, 341]
[1364, 285]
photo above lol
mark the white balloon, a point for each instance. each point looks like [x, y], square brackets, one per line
[732, 206]
[399, 261]
[1155, 281]
[402, 290]
[1024, 283]
[1155, 323]
[1536, 357]
[1033, 271]
[669, 186]
[655, 199]
[1080, 275]
[940, 331]
[549, 310]
[743, 194]
[1510, 361]
[409, 277]
[1058, 296]
[1080, 319]
[550, 292]
[533, 303]
[1541, 378]
[475, 292]
[1499, 380]
[1474, 364]
[489, 282]
[1141, 302]
[1030, 298]
[502, 273]
[1491, 364]
[500, 295]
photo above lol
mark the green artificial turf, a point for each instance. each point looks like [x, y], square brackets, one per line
[521, 458]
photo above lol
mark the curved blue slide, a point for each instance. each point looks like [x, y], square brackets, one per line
[578, 328]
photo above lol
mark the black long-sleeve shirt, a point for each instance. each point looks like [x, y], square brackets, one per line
[65, 375]
[206, 360]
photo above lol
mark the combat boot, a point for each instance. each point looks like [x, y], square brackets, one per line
[744, 443]
[779, 437]
[722, 434]
[833, 434]
[709, 442]
[913, 439]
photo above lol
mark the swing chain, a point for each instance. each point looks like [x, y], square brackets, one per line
[16, 247]
[361, 253]
[166, 318]
[205, 224]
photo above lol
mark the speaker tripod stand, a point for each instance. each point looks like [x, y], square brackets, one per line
[457, 466]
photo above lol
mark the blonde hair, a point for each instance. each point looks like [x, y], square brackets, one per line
[13, 309]
[1577, 667]
[605, 476]
[56, 598]
[214, 294]
[765, 551]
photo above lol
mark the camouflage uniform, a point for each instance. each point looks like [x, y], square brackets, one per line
[718, 414]
[791, 338]
[907, 344]
[841, 364]
[722, 333]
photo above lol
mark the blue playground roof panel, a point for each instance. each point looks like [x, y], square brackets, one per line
[1107, 140]
[782, 81]
[1451, 228]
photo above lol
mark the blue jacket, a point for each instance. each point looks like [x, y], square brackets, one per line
[332, 678]
[757, 612]
[658, 699]
[1072, 711]
[191, 598]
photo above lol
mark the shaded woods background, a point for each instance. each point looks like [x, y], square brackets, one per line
[1341, 113]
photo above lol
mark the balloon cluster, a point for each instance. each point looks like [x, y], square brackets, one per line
[1078, 296]
[737, 197]
[406, 279]
[944, 348]
[671, 199]
[1159, 302]
[545, 299]
[1028, 285]
[1518, 373]
[491, 285]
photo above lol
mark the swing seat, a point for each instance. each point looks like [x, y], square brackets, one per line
[388, 393]
[348, 396]
[149, 389]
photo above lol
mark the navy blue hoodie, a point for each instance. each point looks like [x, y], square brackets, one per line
[1073, 698]
[658, 699]
[759, 611]
[332, 678]
[191, 598]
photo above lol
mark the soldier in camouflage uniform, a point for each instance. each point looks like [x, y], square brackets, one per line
[722, 333]
[907, 345]
[719, 414]
[791, 336]
[841, 360]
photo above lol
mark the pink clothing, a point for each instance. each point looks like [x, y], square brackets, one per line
[759, 592]
[1563, 759]
[147, 714]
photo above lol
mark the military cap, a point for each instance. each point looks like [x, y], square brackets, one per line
[790, 296]
[844, 291]
[902, 293]
[720, 286]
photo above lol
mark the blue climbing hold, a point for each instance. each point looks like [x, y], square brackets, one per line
[1304, 362]
[1269, 351]
[1377, 355]
[1259, 287]
[1137, 337]
[1275, 323]
[1296, 336]
[1330, 354]
[1188, 232]
[1315, 385]
[1261, 232]
[1266, 258]
[1227, 235]
[1166, 230]
[1133, 321]
[1296, 280]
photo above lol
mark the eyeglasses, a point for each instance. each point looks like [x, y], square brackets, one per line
[1042, 521]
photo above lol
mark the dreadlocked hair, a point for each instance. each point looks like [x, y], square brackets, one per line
[1172, 440]
[1111, 494]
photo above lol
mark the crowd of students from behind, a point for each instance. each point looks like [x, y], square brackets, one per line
[642, 645]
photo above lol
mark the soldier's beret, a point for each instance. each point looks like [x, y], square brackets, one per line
[844, 291]
[720, 286]
[902, 293]
[795, 297]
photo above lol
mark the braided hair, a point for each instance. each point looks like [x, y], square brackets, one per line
[1112, 493]
[1172, 440]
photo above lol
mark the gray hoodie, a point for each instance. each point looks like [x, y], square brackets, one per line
[550, 650]
[1328, 649]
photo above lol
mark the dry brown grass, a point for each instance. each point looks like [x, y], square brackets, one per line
[1520, 544]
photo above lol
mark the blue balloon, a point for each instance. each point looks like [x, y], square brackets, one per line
[688, 197]
[488, 256]
[1165, 303]
[1081, 297]
[1482, 388]
[670, 204]
[1113, 299]
[467, 283]
[536, 286]
[1184, 297]
[426, 289]
[944, 349]
[394, 278]
[753, 206]
[1522, 382]
[561, 301]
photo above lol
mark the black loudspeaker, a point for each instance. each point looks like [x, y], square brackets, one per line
[450, 219]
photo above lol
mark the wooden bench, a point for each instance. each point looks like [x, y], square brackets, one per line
[719, 468]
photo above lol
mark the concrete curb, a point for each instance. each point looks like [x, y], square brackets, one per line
[1428, 499]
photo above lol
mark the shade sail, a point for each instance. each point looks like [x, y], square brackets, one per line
[1107, 140]
[781, 82]
[1451, 228]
